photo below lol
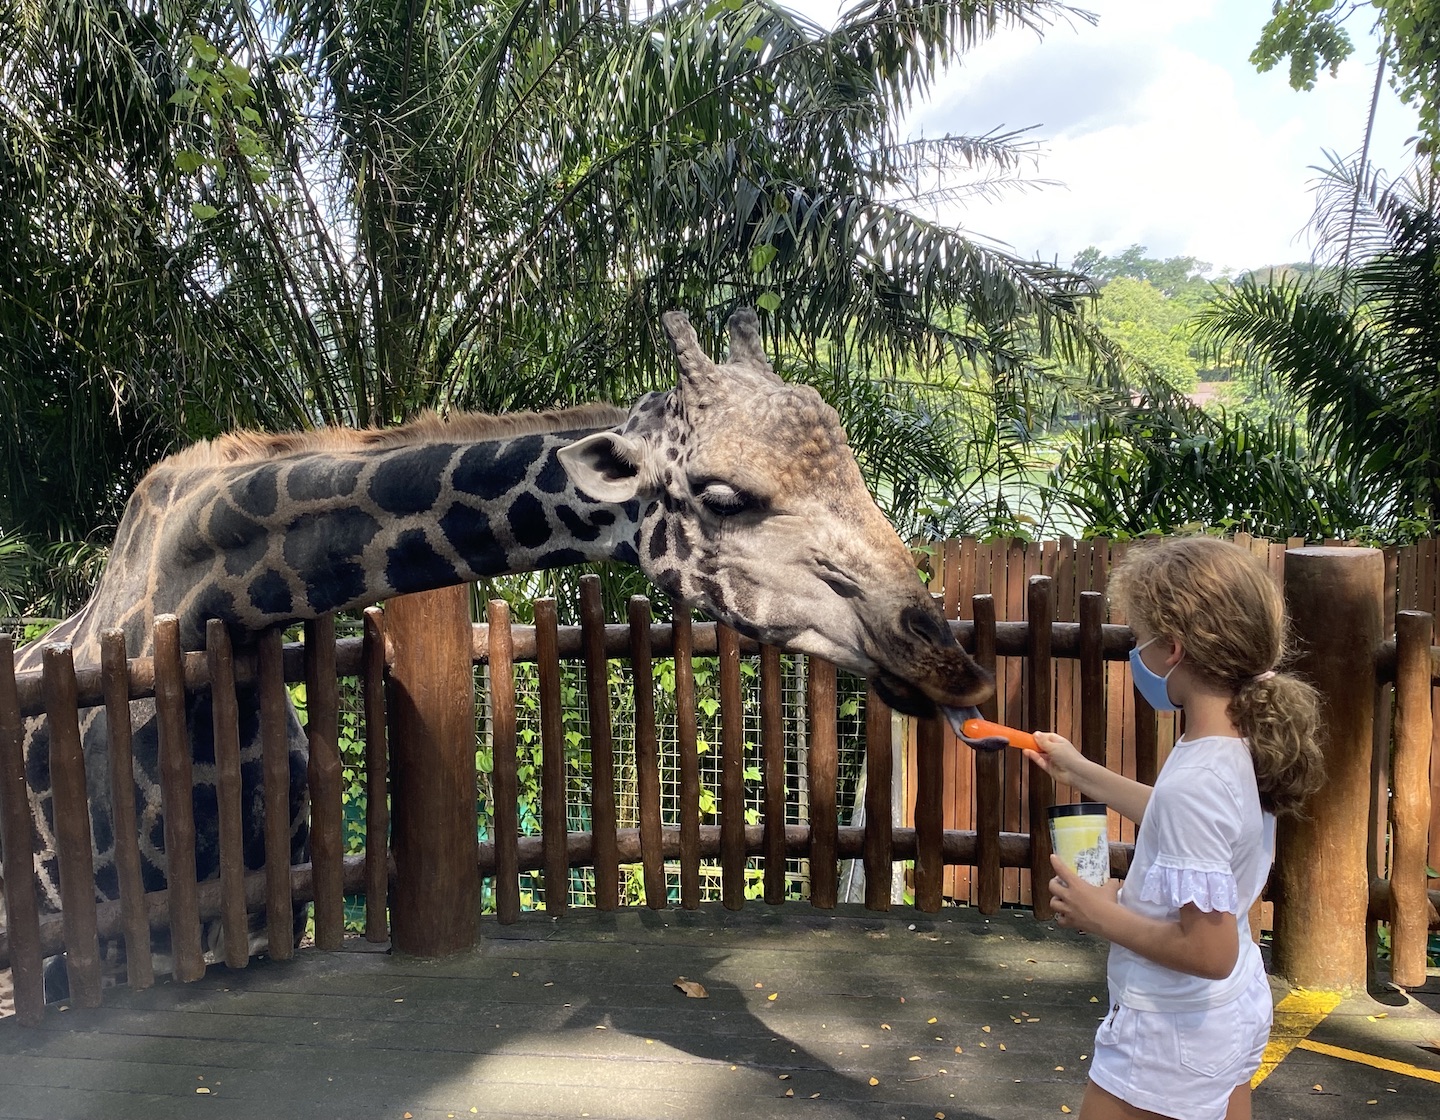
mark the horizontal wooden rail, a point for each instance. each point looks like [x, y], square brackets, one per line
[109, 917]
[1011, 640]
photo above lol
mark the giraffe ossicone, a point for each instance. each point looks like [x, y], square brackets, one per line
[735, 492]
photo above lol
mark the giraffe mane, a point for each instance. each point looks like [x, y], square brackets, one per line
[248, 446]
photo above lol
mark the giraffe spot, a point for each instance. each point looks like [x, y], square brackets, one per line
[213, 602]
[408, 481]
[659, 544]
[316, 542]
[102, 834]
[683, 551]
[560, 558]
[342, 584]
[317, 478]
[602, 517]
[581, 528]
[468, 531]
[491, 470]
[256, 491]
[625, 553]
[107, 876]
[712, 592]
[412, 564]
[240, 540]
[528, 522]
[552, 478]
[324, 551]
[270, 594]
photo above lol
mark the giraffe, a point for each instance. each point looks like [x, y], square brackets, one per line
[734, 491]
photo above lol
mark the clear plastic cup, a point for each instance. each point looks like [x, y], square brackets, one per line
[1080, 835]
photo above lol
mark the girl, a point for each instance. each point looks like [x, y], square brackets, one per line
[1189, 1000]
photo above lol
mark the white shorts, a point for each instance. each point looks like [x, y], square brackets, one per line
[1183, 1064]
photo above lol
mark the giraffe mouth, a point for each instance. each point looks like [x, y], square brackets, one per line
[956, 717]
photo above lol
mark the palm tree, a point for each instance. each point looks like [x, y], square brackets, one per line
[1358, 344]
[279, 214]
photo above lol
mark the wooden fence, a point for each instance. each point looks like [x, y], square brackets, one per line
[1057, 667]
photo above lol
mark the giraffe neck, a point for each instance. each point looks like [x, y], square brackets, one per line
[267, 541]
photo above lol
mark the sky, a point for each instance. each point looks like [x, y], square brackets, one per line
[1157, 131]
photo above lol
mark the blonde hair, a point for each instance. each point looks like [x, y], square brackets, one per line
[1224, 607]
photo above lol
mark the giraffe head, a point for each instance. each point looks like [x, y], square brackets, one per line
[754, 510]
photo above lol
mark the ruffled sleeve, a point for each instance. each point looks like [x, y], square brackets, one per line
[1174, 887]
[1193, 826]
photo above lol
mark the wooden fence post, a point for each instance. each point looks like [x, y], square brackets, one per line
[431, 709]
[1335, 597]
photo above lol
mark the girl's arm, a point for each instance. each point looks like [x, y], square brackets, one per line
[1058, 757]
[1203, 943]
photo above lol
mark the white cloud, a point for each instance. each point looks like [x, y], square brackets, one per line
[1160, 130]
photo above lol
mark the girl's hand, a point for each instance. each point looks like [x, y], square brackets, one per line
[1076, 903]
[1057, 756]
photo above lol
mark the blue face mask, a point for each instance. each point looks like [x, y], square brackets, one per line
[1152, 685]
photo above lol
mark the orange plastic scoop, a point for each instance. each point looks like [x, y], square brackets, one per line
[983, 729]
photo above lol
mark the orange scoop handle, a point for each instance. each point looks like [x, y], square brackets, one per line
[984, 729]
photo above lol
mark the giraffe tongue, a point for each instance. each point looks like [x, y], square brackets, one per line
[957, 718]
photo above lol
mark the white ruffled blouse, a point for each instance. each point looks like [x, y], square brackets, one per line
[1204, 840]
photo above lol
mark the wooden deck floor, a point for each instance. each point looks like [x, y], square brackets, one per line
[817, 1014]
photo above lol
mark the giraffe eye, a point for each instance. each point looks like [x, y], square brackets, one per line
[724, 500]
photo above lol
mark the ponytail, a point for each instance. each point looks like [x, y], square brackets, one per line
[1280, 716]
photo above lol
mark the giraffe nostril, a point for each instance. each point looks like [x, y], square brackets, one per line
[925, 625]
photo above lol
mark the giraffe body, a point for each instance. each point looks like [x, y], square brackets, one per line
[734, 492]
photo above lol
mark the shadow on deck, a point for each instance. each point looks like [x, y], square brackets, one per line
[823, 1014]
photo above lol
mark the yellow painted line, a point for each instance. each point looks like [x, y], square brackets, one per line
[1386, 1064]
[1296, 1016]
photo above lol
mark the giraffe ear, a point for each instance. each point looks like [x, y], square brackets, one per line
[606, 466]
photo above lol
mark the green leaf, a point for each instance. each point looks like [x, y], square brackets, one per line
[755, 43]
[203, 211]
[768, 301]
[760, 258]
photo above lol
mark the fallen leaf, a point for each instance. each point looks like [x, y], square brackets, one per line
[1002, 1046]
[773, 996]
[202, 1091]
[784, 1077]
[1094, 999]
[1377, 1018]
[884, 1026]
[692, 988]
[985, 1029]
[1065, 1108]
[874, 1081]
[958, 1050]
[1059, 1069]
[1372, 1102]
[932, 1019]
[1317, 1088]
[789, 1092]
[939, 1116]
[814, 1096]
[914, 1057]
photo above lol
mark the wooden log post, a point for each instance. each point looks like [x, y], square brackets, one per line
[431, 710]
[1410, 808]
[17, 843]
[1335, 598]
